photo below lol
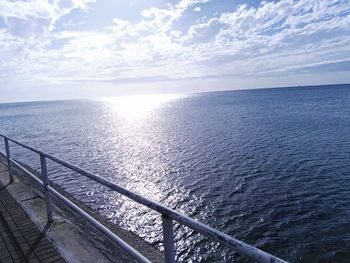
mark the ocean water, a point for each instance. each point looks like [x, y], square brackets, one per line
[270, 167]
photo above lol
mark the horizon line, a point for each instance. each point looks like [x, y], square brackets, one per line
[149, 94]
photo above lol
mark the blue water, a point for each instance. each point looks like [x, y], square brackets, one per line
[270, 167]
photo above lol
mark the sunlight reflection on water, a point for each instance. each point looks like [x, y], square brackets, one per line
[139, 147]
[136, 107]
[141, 141]
[268, 167]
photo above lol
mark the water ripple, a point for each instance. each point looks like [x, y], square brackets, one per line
[270, 167]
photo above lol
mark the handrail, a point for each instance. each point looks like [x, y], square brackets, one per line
[168, 215]
[85, 215]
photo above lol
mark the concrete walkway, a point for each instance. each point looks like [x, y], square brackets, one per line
[20, 239]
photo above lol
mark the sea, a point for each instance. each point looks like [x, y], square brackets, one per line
[270, 167]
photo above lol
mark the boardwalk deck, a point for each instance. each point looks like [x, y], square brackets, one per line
[20, 239]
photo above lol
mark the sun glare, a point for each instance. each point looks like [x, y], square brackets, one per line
[135, 107]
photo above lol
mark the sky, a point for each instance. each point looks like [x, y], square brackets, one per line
[57, 49]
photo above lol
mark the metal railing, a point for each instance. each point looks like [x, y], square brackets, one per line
[168, 215]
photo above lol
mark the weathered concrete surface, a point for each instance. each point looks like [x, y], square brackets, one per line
[20, 238]
[76, 240]
[62, 233]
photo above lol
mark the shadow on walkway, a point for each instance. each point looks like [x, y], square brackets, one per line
[20, 239]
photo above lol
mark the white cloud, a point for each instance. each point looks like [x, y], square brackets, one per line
[49, 11]
[272, 28]
[273, 38]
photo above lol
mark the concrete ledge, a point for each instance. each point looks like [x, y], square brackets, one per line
[75, 239]
[61, 232]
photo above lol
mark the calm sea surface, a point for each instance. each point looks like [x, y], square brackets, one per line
[270, 167]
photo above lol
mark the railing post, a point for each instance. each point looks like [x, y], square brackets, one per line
[8, 156]
[168, 238]
[46, 192]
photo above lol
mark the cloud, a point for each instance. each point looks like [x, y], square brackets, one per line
[275, 29]
[273, 38]
[47, 12]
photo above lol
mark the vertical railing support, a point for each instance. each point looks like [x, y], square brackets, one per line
[168, 238]
[46, 192]
[8, 156]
